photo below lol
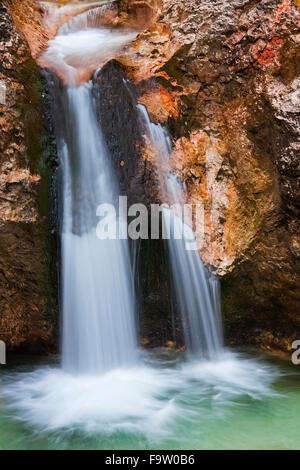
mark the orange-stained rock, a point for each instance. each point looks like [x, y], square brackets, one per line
[28, 310]
[231, 73]
[160, 104]
[224, 76]
[28, 17]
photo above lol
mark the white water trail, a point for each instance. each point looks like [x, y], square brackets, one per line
[57, 14]
[197, 290]
[98, 300]
[74, 55]
[94, 18]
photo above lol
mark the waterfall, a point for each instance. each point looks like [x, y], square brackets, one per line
[197, 290]
[106, 393]
[80, 47]
[98, 302]
[92, 19]
[54, 16]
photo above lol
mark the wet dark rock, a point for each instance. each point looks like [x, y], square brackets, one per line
[116, 100]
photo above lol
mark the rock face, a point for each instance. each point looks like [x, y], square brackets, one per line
[224, 76]
[28, 305]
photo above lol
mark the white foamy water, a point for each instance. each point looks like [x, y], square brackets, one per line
[56, 14]
[82, 44]
[94, 18]
[148, 399]
[76, 55]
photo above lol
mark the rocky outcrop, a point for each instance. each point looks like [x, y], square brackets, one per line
[28, 305]
[225, 78]
[28, 18]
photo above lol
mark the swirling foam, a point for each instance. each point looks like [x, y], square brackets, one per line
[146, 400]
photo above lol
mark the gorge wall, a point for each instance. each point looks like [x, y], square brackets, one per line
[28, 305]
[224, 77]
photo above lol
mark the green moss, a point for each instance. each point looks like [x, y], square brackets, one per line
[41, 151]
[30, 106]
[41, 159]
[235, 298]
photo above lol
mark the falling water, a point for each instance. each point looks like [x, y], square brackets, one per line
[172, 402]
[76, 53]
[54, 16]
[197, 290]
[93, 18]
[98, 303]
[97, 296]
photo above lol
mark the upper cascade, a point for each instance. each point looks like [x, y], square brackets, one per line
[83, 43]
[55, 15]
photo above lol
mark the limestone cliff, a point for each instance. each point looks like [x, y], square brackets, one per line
[224, 76]
[28, 313]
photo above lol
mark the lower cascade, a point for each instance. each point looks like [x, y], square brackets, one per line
[99, 331]
[106, 391]
[197, 291]
[98, 317]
